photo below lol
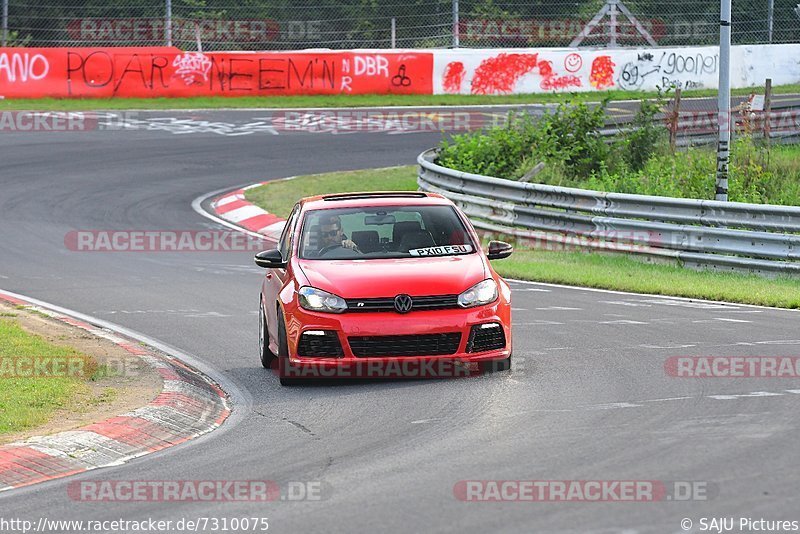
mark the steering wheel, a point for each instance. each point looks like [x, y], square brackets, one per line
[325, 250]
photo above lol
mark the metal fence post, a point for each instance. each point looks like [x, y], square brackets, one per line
[168, 23]
[770, 19]
[767, 109]
[394, 32]
[5, 22]
[455, 24]
[724, 101]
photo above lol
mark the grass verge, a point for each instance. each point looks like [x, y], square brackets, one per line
[603, 271]
[27, 402]
[347, 101]
[279, 197]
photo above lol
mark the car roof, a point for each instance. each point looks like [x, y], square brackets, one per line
[373, 198]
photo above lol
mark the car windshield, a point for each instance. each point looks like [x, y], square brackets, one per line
[383, 232]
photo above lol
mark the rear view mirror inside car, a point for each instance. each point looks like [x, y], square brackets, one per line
[375, 220]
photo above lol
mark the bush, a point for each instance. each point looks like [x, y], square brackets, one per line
[570, 136]
[646, 139]
[498, 152]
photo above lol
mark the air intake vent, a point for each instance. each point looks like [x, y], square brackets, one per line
[416, 345]
[485, 337]
[320, 343]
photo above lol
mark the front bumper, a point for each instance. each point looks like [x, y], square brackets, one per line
[415, 323]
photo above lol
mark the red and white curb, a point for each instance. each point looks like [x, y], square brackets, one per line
[189, 405]
[234, 208]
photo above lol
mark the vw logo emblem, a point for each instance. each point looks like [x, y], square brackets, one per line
[403, 303]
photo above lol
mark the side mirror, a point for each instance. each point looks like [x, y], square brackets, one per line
[499, 250]
[270, 259]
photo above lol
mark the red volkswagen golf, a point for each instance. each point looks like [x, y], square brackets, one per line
[382, 285]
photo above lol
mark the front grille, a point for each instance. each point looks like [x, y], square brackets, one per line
[326, 345]
[385, 304]
[486, 337]
[415, 345]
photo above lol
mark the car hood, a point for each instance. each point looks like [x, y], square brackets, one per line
[445, 275]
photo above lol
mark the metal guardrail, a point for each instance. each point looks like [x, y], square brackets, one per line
[703, 233]
[698, 127]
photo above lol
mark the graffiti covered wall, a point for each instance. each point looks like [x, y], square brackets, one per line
[540, 70]
[169, 72]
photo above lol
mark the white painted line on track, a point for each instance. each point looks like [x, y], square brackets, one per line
[745, 395]
[671, 347]
[530, 289]
[626, 303]
[612, 406]
[639, 403]
[667, 399]
[723, 319]
[733, 305]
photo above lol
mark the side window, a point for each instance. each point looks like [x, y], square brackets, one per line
[285, 242]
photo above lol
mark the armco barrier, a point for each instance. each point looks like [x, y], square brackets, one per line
[170, 72]
[722, 235]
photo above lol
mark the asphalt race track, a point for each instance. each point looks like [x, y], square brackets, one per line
[588, 398]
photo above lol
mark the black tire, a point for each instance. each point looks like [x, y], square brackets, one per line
[496, 365]
[283, 354]
[266, 355]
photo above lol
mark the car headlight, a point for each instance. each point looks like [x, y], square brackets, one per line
[481, 293]
[315, 299]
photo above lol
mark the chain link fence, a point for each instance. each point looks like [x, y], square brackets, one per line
[283, 24]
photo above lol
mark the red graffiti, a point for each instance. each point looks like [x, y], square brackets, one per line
[499, 74]
[573, 62]
[168, 72]
[602, 75]
[453, 77]
[560, 82]
[552, 81]
[546, 68]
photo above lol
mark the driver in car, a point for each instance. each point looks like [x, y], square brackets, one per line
[331, 235]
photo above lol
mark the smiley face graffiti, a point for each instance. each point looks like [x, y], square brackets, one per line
[573, 62]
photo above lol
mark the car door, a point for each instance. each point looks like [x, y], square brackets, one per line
[275, 279]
